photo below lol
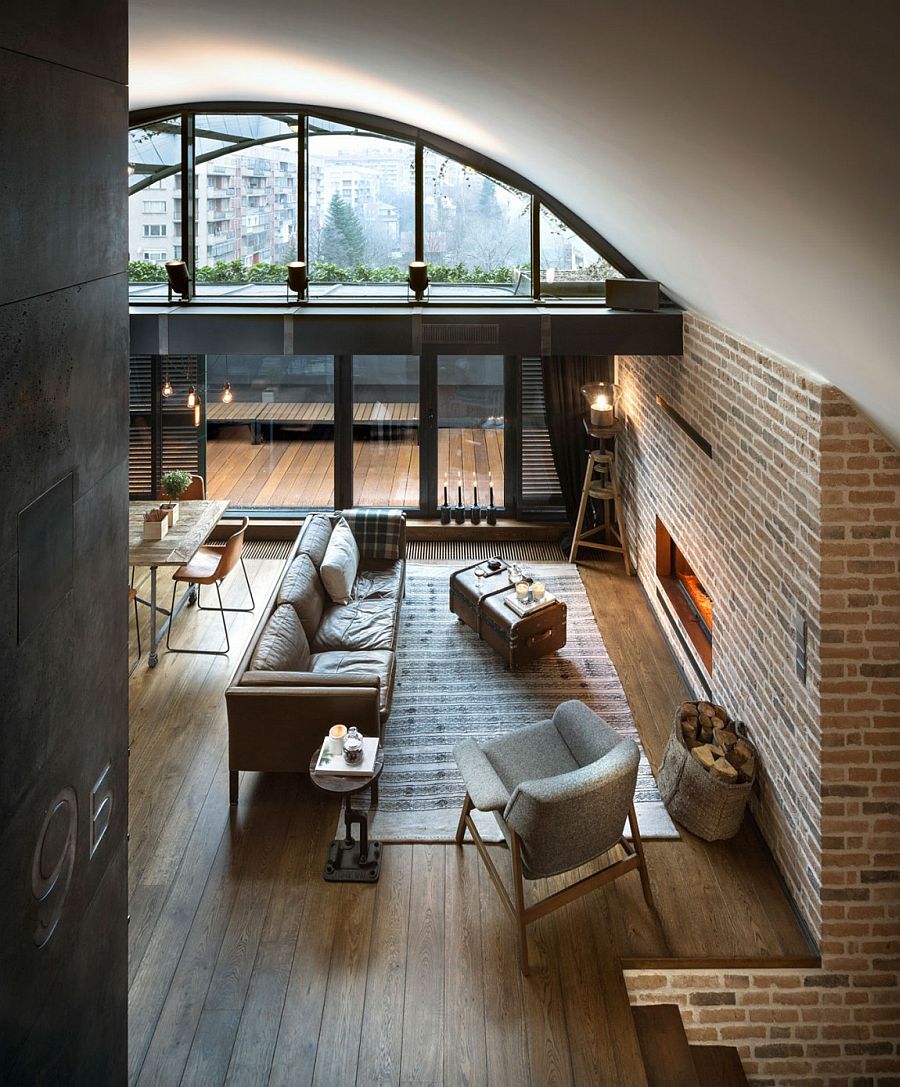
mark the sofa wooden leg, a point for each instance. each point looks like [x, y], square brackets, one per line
[233, 786]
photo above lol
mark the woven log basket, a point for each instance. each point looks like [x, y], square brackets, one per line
[711, 809]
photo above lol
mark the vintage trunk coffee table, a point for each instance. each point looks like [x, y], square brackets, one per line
[478, 602]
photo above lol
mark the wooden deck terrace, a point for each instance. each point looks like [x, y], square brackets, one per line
[291, 469]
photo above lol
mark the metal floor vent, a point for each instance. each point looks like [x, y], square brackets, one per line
[267, 549]
[511, 550]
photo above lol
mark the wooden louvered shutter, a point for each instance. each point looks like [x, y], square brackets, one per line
[540, 486]
[162, 434]
[140, 432]
[180, 440]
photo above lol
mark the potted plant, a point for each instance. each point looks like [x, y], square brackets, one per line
[173, 485]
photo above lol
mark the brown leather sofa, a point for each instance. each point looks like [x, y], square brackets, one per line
[312, 663]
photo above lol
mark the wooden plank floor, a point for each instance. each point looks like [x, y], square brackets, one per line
[247, 968]
[294, 470]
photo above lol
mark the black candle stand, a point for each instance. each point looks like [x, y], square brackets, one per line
[490, 514]
[459, 515]
[475, 515]
[445, 514]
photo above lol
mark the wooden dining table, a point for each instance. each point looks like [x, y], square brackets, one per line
[195, 522]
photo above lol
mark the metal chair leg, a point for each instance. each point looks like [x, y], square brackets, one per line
[137, 628]
[203, 652]
[249, 589]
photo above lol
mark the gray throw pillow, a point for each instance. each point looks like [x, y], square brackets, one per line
[341, 562]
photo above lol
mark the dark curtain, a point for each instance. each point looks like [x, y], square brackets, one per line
[565, 406]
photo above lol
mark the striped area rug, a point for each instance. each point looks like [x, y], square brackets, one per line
[451, 684]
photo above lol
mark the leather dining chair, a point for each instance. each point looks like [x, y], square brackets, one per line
[210, 566]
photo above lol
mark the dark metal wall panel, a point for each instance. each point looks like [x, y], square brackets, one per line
[63, 183]
[81, 34]
[64, 405]
[261, 333]
[64, 413]
[616, 333]
[200, 334]
[353, 335]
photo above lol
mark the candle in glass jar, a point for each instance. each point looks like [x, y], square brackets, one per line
[537, 590]
[602, 411]
[522, 590]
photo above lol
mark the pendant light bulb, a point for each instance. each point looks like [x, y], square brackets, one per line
[167, 389]
[227, 394]
[191, 397]
[196, 411]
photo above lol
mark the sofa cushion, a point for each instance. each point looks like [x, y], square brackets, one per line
[302, 588]
[379, 579]
[282, 646]
[361, 624]
[380, 663]
[338, 567]
[315, 536]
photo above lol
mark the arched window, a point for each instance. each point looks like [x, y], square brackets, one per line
[239, 192]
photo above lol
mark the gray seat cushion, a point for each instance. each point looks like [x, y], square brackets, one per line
[282, 646]
[372, 662]
[316, 534]
[361, 624]
[302, 588]
[379, 579]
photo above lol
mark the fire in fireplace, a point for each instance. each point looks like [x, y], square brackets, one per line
[687, 595]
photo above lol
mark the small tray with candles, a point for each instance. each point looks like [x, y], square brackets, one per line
[529, 605]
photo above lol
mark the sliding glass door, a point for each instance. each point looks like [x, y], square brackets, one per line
[385, 413]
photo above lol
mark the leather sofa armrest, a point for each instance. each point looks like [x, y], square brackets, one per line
[308, 679]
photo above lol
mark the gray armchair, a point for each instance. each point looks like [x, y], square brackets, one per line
[560, 791]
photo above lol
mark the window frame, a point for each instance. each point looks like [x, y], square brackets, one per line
[367, 124]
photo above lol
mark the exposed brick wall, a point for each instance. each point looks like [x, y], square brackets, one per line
[798, 509]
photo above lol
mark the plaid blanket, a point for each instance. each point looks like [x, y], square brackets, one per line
[379, 534]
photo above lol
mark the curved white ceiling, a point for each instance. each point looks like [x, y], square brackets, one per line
[748, 158]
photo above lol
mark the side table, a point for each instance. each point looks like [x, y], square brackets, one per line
[349, 860]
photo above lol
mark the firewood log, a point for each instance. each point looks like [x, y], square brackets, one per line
[742, 751]
[724, 737]
[722, 770]
[688, 709]
[704, 755]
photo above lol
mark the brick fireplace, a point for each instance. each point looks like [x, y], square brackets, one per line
[785, 503]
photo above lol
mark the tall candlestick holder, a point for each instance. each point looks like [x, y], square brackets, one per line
[475, 515]
[490, 514]
[459, 515]
[445, 514]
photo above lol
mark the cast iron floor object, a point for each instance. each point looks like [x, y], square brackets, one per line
[351, 860]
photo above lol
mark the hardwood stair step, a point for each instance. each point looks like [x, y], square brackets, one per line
[718, 1066]
[668, 1061]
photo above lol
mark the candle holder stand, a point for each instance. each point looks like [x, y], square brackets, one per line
[459, 515]
[475, 515]
[445, 514]
[490, 514]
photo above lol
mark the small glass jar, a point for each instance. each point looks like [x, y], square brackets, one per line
[353, 745]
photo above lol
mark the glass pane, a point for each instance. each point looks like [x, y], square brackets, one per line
[246, 182]
[386, 430]
[273, 444]
[477, 231]
[470, 427]
[361, 207]
[154, 205]
[569, 266]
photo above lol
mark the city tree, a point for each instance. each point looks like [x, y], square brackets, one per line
[343, 241]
